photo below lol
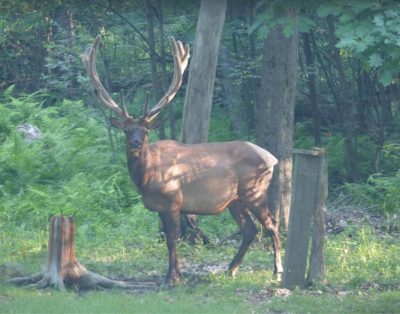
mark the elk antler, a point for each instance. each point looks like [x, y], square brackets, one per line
[89, 59]
[181, 57]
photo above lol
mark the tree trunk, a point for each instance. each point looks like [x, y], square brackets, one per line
[310, 73]
[345, 105]
[198, 101]
[232, 95]
[63, 270]
[163, 64]
[275, 115]
[157, 90]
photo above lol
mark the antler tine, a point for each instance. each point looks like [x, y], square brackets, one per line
[124, 110]
[89, 60]
[181, 56]
[146, 105]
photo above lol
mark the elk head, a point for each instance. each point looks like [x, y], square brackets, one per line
[137, 128]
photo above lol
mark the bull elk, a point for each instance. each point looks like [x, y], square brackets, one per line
[201, 179]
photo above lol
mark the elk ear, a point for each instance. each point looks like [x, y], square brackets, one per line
[117, 123]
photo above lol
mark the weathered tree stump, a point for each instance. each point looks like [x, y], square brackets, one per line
[63, 270]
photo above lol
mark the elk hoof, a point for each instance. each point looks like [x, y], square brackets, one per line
[278, 275]
[231, 272]
[171, 281]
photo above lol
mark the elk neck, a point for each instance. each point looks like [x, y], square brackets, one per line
[137, 164]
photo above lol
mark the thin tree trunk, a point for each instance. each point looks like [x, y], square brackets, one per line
[157, 90]
[71, 43]
[362, 103]
[231, 95]
[253, 80]
[163, 62]
[345, 105]
[310, 70]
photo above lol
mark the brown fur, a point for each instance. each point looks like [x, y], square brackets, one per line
[205, 179]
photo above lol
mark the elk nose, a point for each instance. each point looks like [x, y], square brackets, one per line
[136, 143]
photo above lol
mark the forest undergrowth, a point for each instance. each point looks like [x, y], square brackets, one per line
[70, 170]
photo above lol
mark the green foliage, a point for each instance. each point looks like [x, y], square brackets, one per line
[64, 76]
[284, 14]
[335, 148]
[19, 37]
[382, 191]
[219, 130]
[68, 170]
[371, 30]
[302, 138]
[391, 157]
[334, 145]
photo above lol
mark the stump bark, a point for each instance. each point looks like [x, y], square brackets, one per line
[62, 269]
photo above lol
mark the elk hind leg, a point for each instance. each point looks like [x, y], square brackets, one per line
[271, 225]
[248, 230]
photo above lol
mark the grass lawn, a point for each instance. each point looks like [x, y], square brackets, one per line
[362, 267]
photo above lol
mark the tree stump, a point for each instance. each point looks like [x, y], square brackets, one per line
[63, 270]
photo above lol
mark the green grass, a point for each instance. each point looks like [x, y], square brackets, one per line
[362, 272]
[221, 295]
[384, 302]
[171, 301]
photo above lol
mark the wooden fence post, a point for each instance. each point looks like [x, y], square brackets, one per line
[309, 193]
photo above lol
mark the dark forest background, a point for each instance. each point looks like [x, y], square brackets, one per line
[346, 97]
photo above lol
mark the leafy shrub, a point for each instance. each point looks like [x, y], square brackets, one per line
[69, 170]
[391, 157]
[382, 191]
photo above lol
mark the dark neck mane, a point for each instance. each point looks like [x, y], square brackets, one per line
[136, 167]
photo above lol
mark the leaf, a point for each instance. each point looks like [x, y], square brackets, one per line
[375, 60]
[346, 42]
[361, 46]
[288, 30]
[305, 24]
[378, 20]
[328, 9]
[386, 77]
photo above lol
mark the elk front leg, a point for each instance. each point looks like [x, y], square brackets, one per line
[171, 222]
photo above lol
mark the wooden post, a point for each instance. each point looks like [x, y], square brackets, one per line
[316, 272]
[309, 194]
